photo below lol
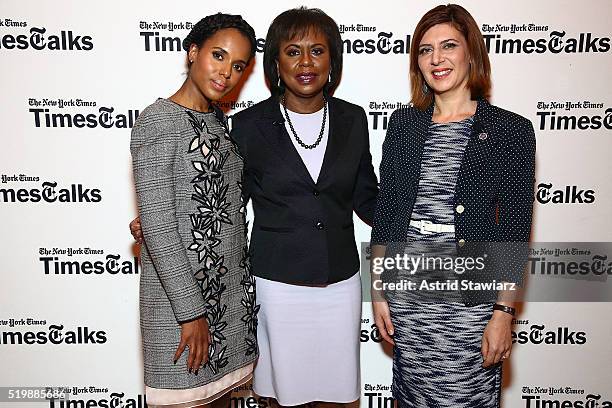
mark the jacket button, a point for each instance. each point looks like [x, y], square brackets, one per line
[483, 136]
[460, 209]
[319, 225]
[461, 242]
[315, 193]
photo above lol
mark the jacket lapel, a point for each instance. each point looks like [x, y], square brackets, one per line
[477, 150]
[412, 160]
[272, 127]
[340, 124]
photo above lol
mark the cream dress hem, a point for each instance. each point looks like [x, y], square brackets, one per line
[193, 397]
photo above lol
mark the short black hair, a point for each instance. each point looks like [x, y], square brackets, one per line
[296, 23]
[209, 25]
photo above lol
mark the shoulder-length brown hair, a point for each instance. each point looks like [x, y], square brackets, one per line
[479, 80]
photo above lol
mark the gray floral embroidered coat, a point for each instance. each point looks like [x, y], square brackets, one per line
[194, 260]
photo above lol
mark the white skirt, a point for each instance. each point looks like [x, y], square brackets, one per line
[308, 342]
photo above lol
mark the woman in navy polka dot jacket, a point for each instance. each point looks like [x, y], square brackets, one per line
[454, 169]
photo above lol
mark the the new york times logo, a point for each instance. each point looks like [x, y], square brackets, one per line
[562, 116]
[380, 111]
[538, 334]
[155, 40]
[562, 397]
[37, 38]
[50, 192]
[53, 334]
[7, 178]
[552, 390]
[548, 194]
[383, 43]
[166, 25]
[114, 400]
[22, 322]
[356, 28]
[45, 115]
[512, 28]
[54, 262]
[557, 41]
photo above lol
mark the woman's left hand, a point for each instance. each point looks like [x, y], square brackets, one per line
[497, 339]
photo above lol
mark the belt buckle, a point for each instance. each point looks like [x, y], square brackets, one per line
[424, 225]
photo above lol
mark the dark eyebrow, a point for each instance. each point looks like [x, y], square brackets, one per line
[298, 46]
[224, 52]
[441, 42]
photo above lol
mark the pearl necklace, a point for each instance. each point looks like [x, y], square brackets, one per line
[297, 138]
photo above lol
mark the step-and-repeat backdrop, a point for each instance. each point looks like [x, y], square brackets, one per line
[75, 76]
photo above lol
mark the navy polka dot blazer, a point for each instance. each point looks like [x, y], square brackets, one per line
[494, 190]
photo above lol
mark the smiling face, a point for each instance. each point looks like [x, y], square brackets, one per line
[304, 65]
[219, 63]
[444, 59]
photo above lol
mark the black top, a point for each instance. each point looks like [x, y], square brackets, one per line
[303, 231]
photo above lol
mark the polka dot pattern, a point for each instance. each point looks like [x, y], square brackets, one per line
[494, 189]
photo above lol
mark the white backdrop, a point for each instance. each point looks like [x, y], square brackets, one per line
[74, 76]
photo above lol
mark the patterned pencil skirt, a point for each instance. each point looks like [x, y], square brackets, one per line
[437, 361]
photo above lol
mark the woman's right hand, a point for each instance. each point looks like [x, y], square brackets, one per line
[380, 307]
[195, 335]
[136, 230]
[382, 319]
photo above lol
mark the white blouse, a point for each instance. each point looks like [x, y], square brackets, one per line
[308, 126]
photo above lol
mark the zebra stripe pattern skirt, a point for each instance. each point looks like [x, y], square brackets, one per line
[437, 361]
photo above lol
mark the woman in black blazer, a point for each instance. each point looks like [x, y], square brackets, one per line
[307, 168]
[456, 170]
[303, 229]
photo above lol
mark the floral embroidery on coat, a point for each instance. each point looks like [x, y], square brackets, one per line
[210, 193]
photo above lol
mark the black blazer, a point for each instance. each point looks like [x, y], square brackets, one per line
[303, 231]
[494, 186]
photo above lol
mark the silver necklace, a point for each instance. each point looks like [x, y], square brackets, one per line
[297, 138]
